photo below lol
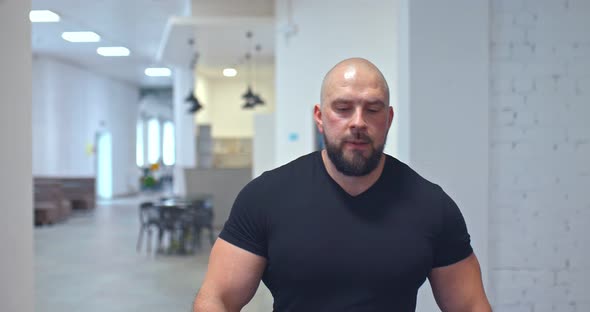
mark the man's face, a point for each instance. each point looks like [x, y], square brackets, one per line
[354, 118]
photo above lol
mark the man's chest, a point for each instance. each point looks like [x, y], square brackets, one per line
[330, 242]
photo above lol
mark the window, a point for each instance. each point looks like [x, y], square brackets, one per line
[168, 146]
[153, 141]
[139, 148]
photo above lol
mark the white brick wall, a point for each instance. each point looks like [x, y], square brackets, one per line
[540, 156]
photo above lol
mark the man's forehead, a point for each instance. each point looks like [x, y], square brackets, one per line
[350, 67]
[353, 72]
[357, 74]
[369, 86]
[350, 73]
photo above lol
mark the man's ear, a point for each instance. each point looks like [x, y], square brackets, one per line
[317, 116]
[391, 114]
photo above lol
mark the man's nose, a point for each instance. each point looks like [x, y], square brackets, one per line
[358, 120]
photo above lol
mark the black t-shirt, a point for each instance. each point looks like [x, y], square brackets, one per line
[329, 251]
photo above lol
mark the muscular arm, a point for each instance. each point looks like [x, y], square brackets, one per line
[459, 288]
[231, 281]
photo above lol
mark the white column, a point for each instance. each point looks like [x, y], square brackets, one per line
[16, 222]
[184, 125]
[263, 147]
[185, 130]
[445, 75]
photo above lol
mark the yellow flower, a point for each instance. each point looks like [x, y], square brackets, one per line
[155, 167]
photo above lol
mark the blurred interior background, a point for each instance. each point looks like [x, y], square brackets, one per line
[107, 104]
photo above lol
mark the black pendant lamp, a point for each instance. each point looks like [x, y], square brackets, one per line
[194, 102]
[248, 94]
[257, 99]
[249, 104]
[252, 99]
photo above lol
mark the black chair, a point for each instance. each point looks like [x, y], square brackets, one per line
[149, 217]
[176, 221]
[202, 218]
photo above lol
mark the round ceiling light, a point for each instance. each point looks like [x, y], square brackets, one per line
[230, 72]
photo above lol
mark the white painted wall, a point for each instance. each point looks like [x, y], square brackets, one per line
[540, 156]
[328, 32]
[70, 104]
[263, 149]
[16, 223]
[224, 106]
[446, 85]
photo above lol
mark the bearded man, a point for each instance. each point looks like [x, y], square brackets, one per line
[348, 228]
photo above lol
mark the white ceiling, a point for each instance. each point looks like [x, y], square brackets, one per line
[141, 26]
[135, 24]
[219, 43]
[225, 45]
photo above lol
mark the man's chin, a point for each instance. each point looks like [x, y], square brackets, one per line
[356, 155]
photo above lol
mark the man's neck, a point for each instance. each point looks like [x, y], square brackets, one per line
[353, 185]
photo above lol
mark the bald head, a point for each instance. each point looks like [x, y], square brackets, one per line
[350, 72]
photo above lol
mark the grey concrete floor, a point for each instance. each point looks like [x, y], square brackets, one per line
[89, 263]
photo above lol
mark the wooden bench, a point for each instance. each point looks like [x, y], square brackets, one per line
[50, 205]
[80, 191]
[55, 197]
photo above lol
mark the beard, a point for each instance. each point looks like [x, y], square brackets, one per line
[359, 165]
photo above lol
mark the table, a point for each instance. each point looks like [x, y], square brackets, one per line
[182, 218]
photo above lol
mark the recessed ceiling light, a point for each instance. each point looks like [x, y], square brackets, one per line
[158, 72]
[113, 51]
[80, 36]
[43, 16]
[230, 72]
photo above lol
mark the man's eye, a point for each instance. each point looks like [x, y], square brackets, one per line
[342, 109]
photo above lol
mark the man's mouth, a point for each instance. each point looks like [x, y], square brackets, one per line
[357, 144]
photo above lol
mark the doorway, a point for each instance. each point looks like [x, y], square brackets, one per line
[104, 165]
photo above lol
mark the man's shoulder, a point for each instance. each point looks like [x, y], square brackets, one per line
[408, 177]
[290, 172]
[303, 163]
[428, 198]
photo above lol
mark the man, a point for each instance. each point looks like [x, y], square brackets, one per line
[348, 228]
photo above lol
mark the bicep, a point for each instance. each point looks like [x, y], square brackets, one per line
[233, 275]
[459, 287]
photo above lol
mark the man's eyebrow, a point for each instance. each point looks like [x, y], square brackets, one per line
[342, 101]
[376, 102]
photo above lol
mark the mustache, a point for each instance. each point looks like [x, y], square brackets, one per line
[358, 138]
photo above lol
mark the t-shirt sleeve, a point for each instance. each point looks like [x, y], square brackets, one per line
[453, 243]
[246, 226]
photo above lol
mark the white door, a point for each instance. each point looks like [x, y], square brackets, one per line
[104, 167]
